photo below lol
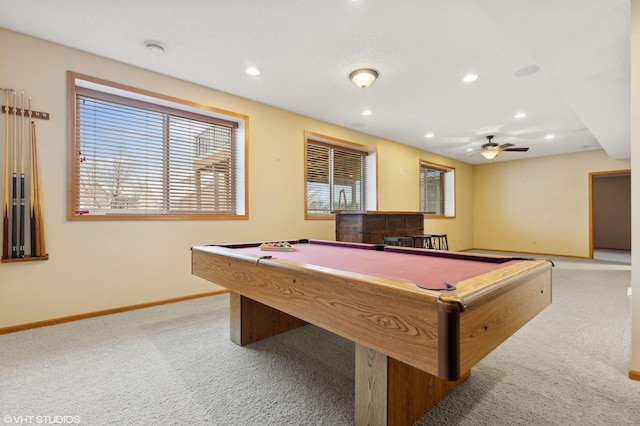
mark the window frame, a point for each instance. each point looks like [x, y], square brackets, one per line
[447, 185]
[368, 192]
[137, 97]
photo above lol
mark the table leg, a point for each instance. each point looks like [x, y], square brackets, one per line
[390, 392]
[251, 320]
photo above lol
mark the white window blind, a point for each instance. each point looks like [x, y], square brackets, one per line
[436, 189]
[336, 178]
[139, 158]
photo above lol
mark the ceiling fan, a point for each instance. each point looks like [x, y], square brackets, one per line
[490, 150]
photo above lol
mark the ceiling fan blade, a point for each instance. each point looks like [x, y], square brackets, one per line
[506, 145]
[516, 149]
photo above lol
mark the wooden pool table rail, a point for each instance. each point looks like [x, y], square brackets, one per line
[391, 317]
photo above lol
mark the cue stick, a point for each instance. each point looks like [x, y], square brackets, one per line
[5, 204]
[14, 204]
[32, 197]
[38, 216]
[22, 218]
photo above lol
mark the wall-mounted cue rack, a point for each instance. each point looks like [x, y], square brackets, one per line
[22, 224]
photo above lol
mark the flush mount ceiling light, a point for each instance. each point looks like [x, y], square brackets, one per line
[363, 77]
[155, 46]
[252, 71]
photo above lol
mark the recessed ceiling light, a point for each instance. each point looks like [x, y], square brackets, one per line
[429, 135]
[252, 71]
[469, 78]
[550, 136]
[367, 112]
[155, 46]
[468, 150]
[520, 115]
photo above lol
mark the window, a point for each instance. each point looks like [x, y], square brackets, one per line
[437, 189]
[336, 176]
[142, 155]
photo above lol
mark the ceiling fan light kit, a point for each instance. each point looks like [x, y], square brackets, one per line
[489, 154]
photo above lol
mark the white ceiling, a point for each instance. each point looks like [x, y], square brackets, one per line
[306, 49]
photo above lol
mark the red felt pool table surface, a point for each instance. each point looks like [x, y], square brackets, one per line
[435, 270]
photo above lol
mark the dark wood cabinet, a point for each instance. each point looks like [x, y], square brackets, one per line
[372, 226]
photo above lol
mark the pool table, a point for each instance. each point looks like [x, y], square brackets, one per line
[420, 318]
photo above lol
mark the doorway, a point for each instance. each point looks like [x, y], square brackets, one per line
[610, 213]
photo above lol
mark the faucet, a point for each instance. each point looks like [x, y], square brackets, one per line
[342, 194]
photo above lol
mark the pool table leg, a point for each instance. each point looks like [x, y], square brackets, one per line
[390, 392]
[251, 320]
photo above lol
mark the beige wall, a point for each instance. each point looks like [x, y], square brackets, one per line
[539, 205]
[96, 266]
[398, 190]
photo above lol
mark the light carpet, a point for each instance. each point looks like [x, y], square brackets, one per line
[175, 365]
